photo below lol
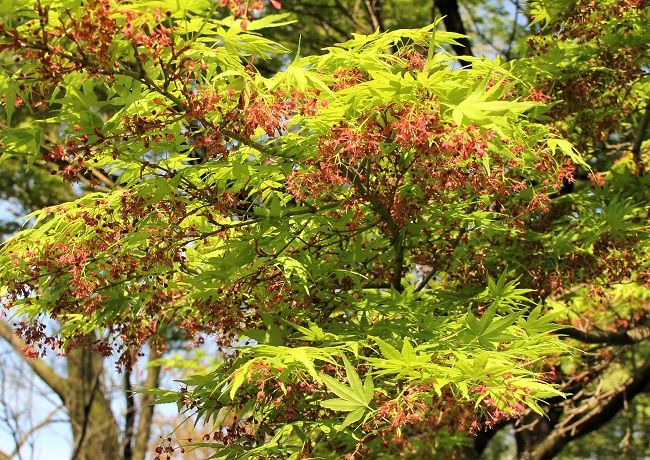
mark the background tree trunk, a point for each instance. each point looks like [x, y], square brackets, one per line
[94, 429]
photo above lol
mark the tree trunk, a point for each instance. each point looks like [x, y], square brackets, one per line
[94, 429]
[453, 22]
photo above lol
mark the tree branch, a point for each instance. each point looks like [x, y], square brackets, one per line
[398, 263]
[636, 148]
[450, 11]
[49, 419]
[375, 203]
[53, 380]
[375, 13]
[513, 33]
[606, 406]
[425, 280]
[129, 418]
[86, 418]
[626, 337]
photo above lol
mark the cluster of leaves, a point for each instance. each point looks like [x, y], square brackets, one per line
[593, 60]
[391, 395]
[344, 216]
[588, 256]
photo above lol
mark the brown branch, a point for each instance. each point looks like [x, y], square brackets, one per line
[476, 30]
[375, 203]
[450, 11]
[320, 16]
[53, 380]
[606, 406]
[626, 337]
[102, 177]
[374, 9]
[398, 263]
[425, 280]
[513, 33]
[636, 148]
[129, 418]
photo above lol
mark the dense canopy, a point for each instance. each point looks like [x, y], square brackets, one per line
[386, 248]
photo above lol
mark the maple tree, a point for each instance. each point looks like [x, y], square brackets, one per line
[387, 250]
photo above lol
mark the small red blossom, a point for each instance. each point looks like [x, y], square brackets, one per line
[30, 352]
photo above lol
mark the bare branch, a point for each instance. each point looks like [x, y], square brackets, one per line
[48, 420]
[375, 13]
[425, 280]
[513, 33]
[53, 380]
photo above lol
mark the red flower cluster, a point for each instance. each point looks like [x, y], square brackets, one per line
[376, 158]
[94, 30]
